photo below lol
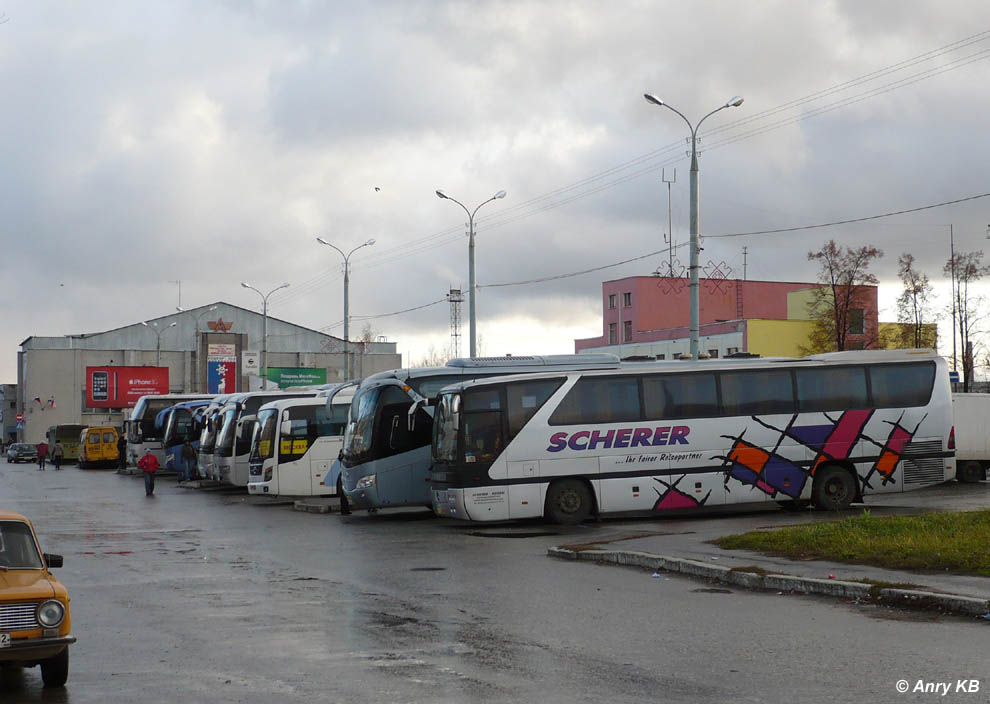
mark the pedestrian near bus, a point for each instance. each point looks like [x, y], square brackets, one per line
[42, 454]
[149, 465]
[189, 470]
[122, 451]
[58, 454]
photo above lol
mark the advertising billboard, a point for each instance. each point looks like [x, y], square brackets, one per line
[296, 376]
[121, 387]
[221, 368]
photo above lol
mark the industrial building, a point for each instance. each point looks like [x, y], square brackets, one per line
[648, 316]
[95, 378]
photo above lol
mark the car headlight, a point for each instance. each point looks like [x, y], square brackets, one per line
[51, 613]
[366, 482]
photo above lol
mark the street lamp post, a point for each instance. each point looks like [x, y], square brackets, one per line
[196, 343]
[158, 334]
[733, 103]
[347, 310]
[471, 286]
[264, 301]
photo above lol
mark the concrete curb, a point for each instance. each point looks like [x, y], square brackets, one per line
[953, 603]
[309, 507]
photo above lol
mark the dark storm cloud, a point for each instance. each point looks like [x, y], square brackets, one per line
[212, 142]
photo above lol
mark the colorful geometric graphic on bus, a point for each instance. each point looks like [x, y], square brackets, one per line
[673, 498]
[840, 442]
[891, 452]
[772, 473]
[767, 471]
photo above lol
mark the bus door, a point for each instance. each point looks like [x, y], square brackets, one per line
[296, 436]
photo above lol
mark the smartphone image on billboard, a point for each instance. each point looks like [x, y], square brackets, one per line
[99, 385]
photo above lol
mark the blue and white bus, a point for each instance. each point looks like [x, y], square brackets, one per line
[828, 429]
[181, 422]
[386, 454]
[296, 445]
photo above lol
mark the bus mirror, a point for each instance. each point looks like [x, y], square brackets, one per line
[455, 419]
[411, 415]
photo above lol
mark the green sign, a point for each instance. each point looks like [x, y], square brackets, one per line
[291, 376]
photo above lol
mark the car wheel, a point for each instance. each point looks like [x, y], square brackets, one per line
[55, 671]
[568, 502]
[834, 489]
[969, 472]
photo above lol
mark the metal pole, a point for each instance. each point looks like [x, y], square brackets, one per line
[695, 328]
[264, 371]
[471, 270]
[952, 265]
[347, 320]
[471, 273]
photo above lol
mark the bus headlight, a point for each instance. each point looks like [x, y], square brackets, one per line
[50, 613]
[365, 482]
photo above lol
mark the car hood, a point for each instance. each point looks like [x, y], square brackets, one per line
[24, 585]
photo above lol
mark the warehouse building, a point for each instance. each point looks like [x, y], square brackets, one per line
[95, 378]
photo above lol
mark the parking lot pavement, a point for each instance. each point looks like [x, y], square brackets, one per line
[685, 541]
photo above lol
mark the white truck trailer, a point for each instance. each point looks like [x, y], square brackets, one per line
[971, 418]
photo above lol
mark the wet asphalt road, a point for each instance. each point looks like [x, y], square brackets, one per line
[196, 596]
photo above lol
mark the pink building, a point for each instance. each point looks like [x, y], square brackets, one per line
[649, 316]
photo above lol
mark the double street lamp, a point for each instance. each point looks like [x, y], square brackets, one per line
[471, 286]
[732, 103]
[347, 314]
[264, 300]
[158, 334]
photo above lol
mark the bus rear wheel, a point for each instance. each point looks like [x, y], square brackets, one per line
[969, 472]
[834, 489]
[568, 502]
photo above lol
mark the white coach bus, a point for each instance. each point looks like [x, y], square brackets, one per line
[296, 445]
[826, 429]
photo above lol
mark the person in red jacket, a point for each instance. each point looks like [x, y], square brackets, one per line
[42, 454]
[149, 465]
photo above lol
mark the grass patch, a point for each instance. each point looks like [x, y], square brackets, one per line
[953, 542]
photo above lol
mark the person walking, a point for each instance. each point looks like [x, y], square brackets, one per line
[121, 452]
[58, 454]
[149, 465]
[189, 470]
[42, 454]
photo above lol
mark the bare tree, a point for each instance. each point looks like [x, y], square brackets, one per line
[432, 358]
[839, 306]
[914, 304]
[966, 268]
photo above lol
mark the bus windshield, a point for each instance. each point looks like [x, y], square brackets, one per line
[208, 439]
[444, 432]
[179, 426]
[228, 428]
[359, 435]
[263, 444]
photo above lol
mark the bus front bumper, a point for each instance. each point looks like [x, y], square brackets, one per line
[449, 503]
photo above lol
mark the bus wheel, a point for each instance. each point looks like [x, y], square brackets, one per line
[568, 502]
[969, 472]
[834, 489]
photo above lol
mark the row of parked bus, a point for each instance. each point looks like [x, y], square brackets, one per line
[570, 436]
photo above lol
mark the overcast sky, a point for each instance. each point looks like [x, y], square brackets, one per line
[145, 143]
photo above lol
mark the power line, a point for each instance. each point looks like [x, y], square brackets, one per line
[851, 220]
[646, 163]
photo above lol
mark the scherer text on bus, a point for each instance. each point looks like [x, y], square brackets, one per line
[624, 437]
